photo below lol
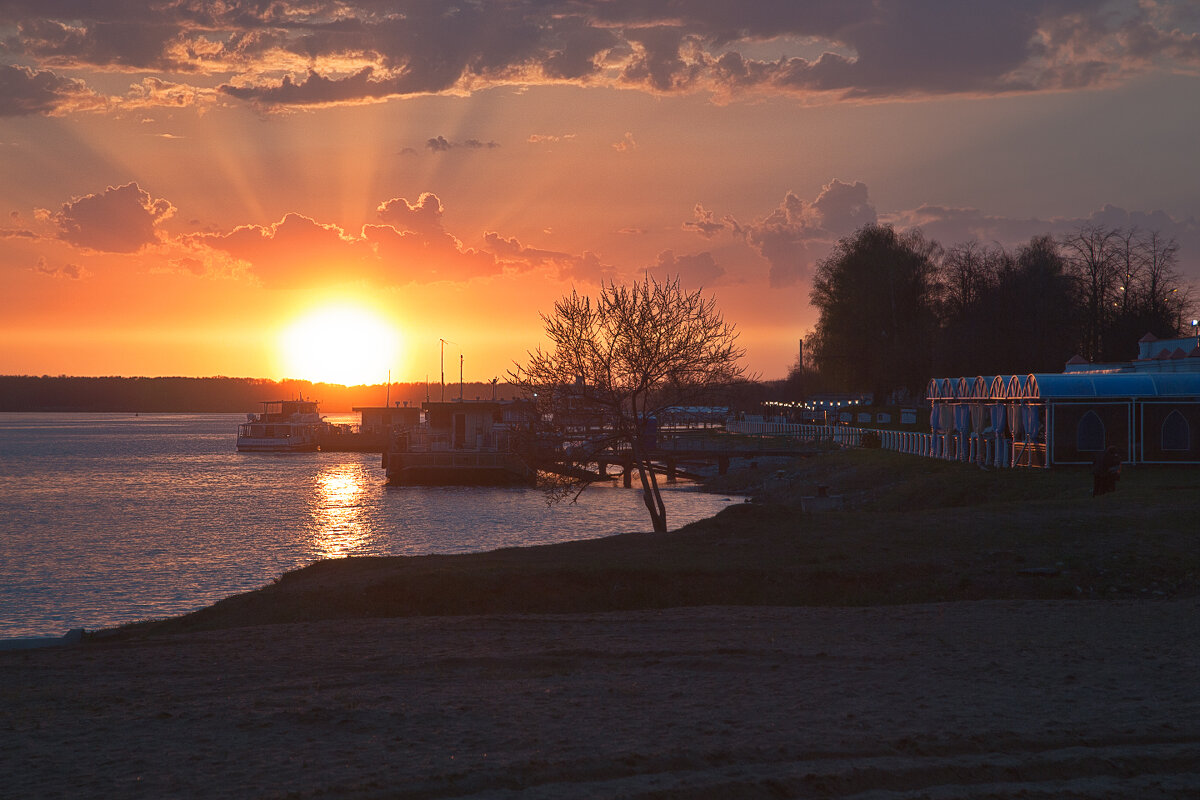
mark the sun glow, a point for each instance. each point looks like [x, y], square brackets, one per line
[350, 345]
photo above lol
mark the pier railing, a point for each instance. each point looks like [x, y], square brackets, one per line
[983, 449]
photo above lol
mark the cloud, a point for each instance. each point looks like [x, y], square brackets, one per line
[313, 90]
[626, 144]
[296, 251]
[547, 138]
[121, 219]
[414, 245]
[950, 226]
[423, 216]
[585, 267]
[440, 144]
[426, 257]
[24, 91]
[699, 269]
[132, 43]
[513, 253]
[798, 232]
[68, 271]
[325, 52]
[705, 223]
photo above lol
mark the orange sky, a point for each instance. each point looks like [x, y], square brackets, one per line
[182, 183]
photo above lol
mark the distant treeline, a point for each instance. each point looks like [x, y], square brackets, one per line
[212, 395]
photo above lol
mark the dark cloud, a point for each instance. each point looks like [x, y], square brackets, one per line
[440, 144]
[313, 90]
[705, 223]
[131, 44]
[366, 50]
[24, 91]
[121, 219]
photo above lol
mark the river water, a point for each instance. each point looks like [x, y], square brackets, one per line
[112, 518]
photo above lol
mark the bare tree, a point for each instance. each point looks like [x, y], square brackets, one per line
[1091, 251]
[620, 361]
[1163, 294]
[1128, 261]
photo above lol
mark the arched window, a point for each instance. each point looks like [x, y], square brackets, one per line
[1176, 433]
[1089, 436]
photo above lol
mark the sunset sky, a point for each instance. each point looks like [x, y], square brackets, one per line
[185, 182]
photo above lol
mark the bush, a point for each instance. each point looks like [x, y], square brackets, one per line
[871, 439]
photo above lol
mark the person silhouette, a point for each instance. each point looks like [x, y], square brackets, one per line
[1106, 470]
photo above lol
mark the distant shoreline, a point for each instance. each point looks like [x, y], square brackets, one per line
[216, 395]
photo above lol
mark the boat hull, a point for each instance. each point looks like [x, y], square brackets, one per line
[458, 468]
[275, 446]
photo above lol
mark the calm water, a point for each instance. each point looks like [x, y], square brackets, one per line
[108, 518]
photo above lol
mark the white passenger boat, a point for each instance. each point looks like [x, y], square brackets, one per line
[284, 426]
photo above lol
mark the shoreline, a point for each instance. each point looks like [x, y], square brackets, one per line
[915, 531]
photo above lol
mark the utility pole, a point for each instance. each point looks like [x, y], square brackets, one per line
[444, 343]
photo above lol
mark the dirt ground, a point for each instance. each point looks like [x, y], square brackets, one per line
[981, 699]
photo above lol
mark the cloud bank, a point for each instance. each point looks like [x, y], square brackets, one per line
[289, 53]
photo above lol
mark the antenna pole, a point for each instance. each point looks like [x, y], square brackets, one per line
[460, 374]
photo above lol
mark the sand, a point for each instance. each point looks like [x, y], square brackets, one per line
[1015, 698]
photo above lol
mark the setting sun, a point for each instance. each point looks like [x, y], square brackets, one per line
[342, 344]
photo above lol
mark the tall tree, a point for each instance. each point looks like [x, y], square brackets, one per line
[621, 360]
[968, 308]
[1092, 253]
[1163, 295]
[1036, 310]
[877, 295]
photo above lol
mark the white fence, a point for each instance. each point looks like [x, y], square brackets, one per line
[983, 449]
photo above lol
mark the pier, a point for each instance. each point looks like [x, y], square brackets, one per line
[673, 456]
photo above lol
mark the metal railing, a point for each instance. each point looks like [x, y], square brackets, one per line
[984, 449]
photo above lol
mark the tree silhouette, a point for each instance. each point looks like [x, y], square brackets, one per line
[877, 294]
[614, 364]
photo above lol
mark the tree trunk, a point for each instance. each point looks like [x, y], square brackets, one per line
[650, 493]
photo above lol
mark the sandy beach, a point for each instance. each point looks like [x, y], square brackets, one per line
[969, 699]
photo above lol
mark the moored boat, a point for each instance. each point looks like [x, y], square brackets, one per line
[284, 426]
[461, 444]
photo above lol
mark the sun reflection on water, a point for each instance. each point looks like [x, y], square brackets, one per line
[341, 526]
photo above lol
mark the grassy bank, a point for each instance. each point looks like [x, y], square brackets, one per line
[915, 530]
